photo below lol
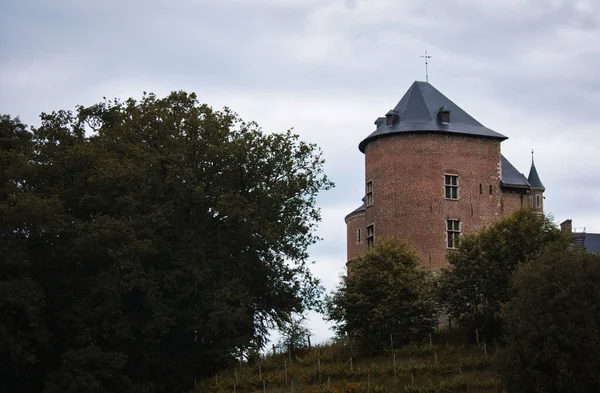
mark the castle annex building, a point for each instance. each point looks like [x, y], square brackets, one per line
[432, 173]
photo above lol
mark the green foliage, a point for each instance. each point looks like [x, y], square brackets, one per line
[294, 334]
[553, 325]
[441, 367]
[149, 242]
[476, 284]
[385, 293]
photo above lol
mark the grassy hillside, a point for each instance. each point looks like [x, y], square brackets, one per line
[447, 365]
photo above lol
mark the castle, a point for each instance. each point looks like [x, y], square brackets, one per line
[432, 173]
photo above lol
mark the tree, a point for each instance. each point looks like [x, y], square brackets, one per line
[23, 334]
[475, 285]
[160, 238]
[553, 325]
[294, 334]
[385, 293]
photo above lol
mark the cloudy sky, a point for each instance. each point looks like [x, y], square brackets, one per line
[529, 69]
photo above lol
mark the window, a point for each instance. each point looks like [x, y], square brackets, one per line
[369, 193]
[451, 186]
[443, 115]
[490, 189]
[370, 236]
[358, 236]
[537, 200]
[389, 120]
[480, 188]
[453, 231]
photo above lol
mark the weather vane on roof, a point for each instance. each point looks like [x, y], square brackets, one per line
[426, 70]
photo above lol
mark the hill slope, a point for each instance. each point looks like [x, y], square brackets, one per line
[445, 365]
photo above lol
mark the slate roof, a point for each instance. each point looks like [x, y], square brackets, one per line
[592, 242]
[534, 178]
[511, 177]
[417, 112]
[359, 209]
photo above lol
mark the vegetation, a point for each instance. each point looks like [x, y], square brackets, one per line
[446, 365]
[147, 243]
[476, 284]
[294, 335]
[553, 325]
[386, 294]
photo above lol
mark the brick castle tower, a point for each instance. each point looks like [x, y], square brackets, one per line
[432, 173]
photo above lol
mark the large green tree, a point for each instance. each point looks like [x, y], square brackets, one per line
[476, 283]
[553, 325]
[150, 242]
[385, 293]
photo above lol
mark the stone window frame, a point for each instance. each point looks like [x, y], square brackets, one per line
[370, 236]
[369, 193]
[453, 232]
[449, 187]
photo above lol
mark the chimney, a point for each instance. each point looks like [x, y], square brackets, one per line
[567, 226]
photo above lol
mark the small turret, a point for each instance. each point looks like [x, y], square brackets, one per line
[537, 188]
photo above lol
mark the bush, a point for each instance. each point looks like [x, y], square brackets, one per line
[385, 293]
[552, 325]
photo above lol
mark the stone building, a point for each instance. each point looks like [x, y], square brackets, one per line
[432, 173]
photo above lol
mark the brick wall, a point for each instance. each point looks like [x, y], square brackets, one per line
[513, 199]
[353, 246]
[408, 170]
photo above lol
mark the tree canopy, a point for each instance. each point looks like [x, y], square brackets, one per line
[476, 283]
[552, 325]
[146, 243]
[385, 293]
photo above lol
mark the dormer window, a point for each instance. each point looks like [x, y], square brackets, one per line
[390, 117]
[444, 115]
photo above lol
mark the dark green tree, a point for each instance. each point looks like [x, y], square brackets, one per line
[23, 334]
[553, 325]
[160, 238]
[476, 283]
[385, 293]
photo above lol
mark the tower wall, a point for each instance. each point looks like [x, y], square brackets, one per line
[354, 245]
[407, 171]
[537, 199]
[513, 200]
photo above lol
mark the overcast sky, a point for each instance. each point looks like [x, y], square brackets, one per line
[529, 69]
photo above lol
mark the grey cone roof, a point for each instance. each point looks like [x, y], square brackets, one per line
[534, 178]
[417, 112]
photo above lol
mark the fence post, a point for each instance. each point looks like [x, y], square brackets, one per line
[319, 365]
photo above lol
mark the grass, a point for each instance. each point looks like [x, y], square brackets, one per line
[450, 364]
